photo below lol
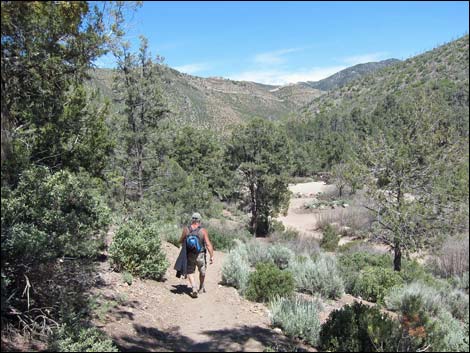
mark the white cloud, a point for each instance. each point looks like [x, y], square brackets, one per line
[364, 58]
[273, 57]
[283, 77]
[193, 68]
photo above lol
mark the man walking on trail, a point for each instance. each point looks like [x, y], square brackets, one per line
[197, 243]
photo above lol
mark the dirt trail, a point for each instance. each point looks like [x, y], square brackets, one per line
[299, 218]
[155, 316]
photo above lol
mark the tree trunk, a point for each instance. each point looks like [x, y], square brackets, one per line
[254, 210]
[397, 258]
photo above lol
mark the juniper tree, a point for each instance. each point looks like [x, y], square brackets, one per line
[137, 87]
[261, 153]
[417, 148]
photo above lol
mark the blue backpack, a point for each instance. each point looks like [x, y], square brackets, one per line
[193, 243]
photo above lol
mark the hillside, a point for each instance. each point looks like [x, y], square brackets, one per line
[217, 102]
[345, 76]
[221, 103]
[447, 64]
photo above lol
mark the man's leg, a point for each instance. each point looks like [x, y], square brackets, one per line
[202, 264]
[191, 278]
[201, 282]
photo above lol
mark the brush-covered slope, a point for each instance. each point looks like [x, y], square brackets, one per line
[444, 65]
[345, 76]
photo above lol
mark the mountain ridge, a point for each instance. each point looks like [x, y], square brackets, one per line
[221, 103]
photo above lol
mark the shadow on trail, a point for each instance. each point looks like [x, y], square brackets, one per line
[181, 289]
[149, 339]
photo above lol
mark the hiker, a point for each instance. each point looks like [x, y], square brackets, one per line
[197, 242]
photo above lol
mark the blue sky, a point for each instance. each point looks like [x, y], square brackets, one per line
[286, 42]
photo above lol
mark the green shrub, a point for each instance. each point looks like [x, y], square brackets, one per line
[267, 282]
[447, 334]
[374, 283]
[236, 269]
[137, 249]
[50, 215]
[318, 276]
[280, 255]
[412, 271]
[297, 317]
[358, 328]
[415, 324]
[420, 331]
[330, 238]
[351, 264]
[82, 340]
[433, 299]
[429, 297]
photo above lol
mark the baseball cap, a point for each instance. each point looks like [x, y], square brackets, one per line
[196, 215]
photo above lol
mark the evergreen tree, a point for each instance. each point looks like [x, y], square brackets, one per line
[260, 151]
[47, 51]
[408, 159]
[137, 86]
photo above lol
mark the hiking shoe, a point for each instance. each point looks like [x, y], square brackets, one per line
[193, 293]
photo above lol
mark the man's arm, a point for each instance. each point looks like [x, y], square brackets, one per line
[183, 235]
[208, 245]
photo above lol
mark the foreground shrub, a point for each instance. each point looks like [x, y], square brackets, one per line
[448, 334]
[50, 215]
[137, 249]
[82, 340]
[236, 269]
[358, 328]
[429, 297]
[267, 282]
[318, 276]
[297, 317]
[420, 331]
[433, 300]
[374, 283]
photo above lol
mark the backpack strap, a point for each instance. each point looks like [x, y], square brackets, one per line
[196, 230]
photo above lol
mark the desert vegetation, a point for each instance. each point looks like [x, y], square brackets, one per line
[80, 159]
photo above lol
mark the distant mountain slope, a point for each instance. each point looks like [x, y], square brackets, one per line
[447, 64]
[345, 76]
[219, 103]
